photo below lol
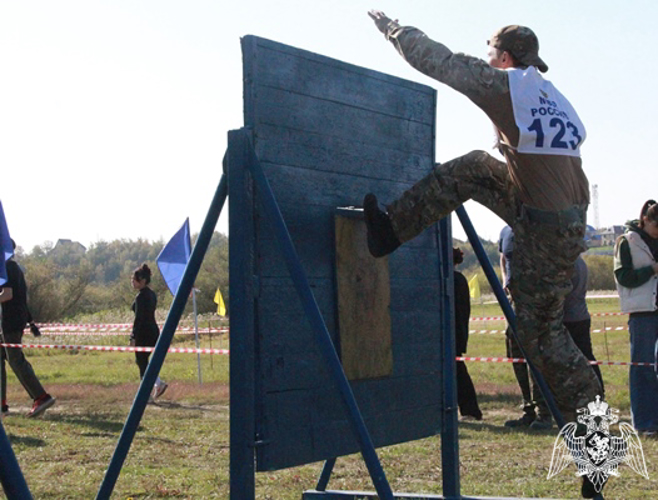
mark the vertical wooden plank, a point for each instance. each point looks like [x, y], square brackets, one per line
[364, 297]
[242, 361]
[249, 65]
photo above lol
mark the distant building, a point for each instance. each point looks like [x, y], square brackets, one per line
[71, 246]
[603, 237]
[67, 253]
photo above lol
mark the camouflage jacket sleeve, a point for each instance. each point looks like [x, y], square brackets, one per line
[471, 76]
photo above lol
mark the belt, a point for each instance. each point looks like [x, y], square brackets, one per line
[575, 214]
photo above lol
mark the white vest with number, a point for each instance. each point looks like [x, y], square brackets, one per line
[547, 122]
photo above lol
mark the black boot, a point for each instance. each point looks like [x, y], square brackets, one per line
[381, 237]
[587, 490]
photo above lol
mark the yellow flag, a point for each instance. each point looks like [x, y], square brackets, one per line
[221, 308]
[474, 287]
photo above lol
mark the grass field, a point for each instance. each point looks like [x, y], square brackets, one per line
[182, 447]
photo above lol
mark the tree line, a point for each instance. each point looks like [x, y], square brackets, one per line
[66, 281]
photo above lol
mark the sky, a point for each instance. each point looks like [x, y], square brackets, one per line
[114, 115]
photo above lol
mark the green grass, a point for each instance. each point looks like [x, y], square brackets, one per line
[181, 448]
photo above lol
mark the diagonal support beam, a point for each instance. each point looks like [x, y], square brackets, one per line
[11, 477]
[325, 475]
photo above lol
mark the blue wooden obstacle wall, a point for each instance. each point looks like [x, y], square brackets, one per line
[326, 133]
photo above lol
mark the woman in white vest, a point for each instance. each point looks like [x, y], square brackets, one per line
[636, 275]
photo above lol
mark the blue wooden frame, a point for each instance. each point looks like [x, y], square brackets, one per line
[248, 182]
[325, 133]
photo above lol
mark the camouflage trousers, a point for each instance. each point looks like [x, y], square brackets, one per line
[546, 245]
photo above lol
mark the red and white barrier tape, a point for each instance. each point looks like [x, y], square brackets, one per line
[110, 332]
[502, 318]
[113, 332]
[94, 325]
[522, 360]
[184, 350]
[128, 326]
[85, 325]
[114, 328]
[594, 330]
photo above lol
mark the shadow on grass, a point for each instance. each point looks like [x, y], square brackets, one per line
[505, 398]
[98, 422]
[26, 441]
[178, 406]
[156, 439]
[501, 429]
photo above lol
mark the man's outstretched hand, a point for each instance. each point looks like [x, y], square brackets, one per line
[381, 21]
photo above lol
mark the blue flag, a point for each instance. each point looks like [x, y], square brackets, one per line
[174, 256]
[5, 246]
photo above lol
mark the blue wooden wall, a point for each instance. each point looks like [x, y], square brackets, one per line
[327, 133]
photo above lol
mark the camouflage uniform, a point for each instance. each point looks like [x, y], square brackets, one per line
[543, 197]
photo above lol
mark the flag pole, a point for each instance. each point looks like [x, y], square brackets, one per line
[196, 335]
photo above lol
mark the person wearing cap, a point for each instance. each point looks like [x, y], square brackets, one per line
[540, 190]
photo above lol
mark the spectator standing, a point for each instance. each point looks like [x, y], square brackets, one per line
[577, 319]
[145, 331]
[466, 395]
[636, 276]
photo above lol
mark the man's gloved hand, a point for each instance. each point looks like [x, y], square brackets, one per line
[34, 329]
[381, 21]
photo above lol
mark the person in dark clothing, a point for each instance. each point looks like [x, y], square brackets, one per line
[466, 396]
[145, 331]
[15, 317]
[577, 319]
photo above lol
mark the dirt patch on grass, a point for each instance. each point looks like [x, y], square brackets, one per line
[74, 399]
[217, 392]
